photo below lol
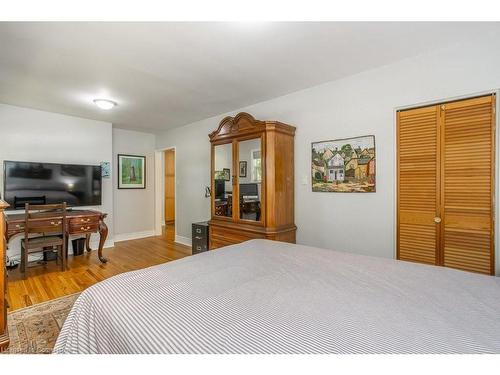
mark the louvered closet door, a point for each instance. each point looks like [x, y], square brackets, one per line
[418, 184]
[468, 144]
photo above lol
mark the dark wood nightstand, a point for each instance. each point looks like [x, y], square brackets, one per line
[200, 237]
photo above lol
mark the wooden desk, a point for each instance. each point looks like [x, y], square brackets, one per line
[250, 207]
[224, 208]
[80, 222]
[221, 208]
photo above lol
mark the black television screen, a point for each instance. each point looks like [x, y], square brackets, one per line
[249, 190]
[48, 183]
[220, 186]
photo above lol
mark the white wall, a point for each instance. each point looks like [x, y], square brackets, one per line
[31, 135]
[358, 105]
[134, 208]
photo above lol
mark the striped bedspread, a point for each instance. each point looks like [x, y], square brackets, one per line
[272, 297]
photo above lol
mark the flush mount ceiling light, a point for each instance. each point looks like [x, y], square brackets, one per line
[105, 103]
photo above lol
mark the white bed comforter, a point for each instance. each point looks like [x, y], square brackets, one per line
[271, 297]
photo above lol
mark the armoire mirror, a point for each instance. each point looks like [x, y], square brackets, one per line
[250, 179]
[223, 188]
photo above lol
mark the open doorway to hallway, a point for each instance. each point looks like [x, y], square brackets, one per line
[169, 197]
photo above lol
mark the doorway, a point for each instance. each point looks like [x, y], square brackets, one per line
[169, 194]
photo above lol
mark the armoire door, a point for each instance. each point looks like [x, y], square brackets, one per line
[446, 161]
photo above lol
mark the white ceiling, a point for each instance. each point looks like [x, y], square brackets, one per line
[165, 75]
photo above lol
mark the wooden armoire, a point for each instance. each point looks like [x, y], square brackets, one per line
[446, 184]
[252, 181]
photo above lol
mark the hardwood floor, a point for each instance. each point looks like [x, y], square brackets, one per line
[48, 282]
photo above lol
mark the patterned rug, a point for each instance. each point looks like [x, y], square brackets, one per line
[34, 329]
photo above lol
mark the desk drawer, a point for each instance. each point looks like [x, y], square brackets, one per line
[83, 221]
[83, 228]
[46, 225]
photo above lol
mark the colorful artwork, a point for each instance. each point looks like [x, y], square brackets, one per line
[344, 165]
[131, 172]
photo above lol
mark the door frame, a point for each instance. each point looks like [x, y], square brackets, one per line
[160, 189]
[496, 196]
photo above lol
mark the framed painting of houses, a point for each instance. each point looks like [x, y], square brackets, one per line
[131, 172]
[344, 165]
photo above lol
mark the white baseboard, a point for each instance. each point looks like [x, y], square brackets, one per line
[183, 240]
[94, 244]
[134, 235]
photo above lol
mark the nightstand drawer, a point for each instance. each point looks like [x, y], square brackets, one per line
[199, 247]
[200, 230]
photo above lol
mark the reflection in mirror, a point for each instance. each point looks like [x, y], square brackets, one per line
[222, 185]
[250, 179]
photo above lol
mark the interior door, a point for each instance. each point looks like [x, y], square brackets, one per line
[468, 149]
[169, 186]
[418, 233]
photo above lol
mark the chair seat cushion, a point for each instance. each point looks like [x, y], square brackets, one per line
[43, 241]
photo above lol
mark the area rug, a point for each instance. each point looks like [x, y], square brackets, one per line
[34, 329]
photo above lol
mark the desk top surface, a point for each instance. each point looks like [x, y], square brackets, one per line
[11, 218]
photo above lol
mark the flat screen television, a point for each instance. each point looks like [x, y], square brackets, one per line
[249, 190]
[220, 186]
[48, 183]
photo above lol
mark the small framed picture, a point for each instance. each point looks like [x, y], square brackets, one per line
[131, 172]
[227, 174]
[243, 168]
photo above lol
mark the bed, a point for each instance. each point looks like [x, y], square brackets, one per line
[271, 297]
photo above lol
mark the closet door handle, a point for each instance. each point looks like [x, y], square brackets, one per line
[437, 220]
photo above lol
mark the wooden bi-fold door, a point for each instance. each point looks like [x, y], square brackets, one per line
[446, 169]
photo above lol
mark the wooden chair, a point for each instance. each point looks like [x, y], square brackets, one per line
[50, 221]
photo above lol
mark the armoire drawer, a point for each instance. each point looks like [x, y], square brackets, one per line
[221, 236]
